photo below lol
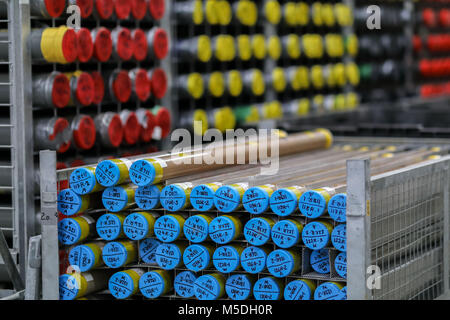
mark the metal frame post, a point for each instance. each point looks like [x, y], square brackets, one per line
[358, 228]
[446, 232]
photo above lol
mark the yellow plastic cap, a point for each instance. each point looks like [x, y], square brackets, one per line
[200, 116]
[224, 12]
[259, 46]
[234, 82]
[317, 14]
[317, 77]
[278, 79]
[289, 14]
[328, 136]
[302, 13]
[274, 47]
[197, 13]
[293, 46]
[303, 107]
[204, 51]
[216, 84]
[247, 12]
[327, 13]
[352, 72]
[244, 47]
[211, 12]
[258, 85]
[195, 85]
[272, 11]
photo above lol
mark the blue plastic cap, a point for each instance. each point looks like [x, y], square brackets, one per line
[151, 285]
[114, 255]
[196, 257]
[82, 181]
[147, 250]
[327, 291]
[222, 230]
[297, 290]
[337, 207]
[68, 287]
[142, 173]
[147, 198]
[256, 200]
[238, 287]
[69, 203]
[285, 234]
[173, 198]
[135, 226]
[184, 284]
[283, 202]
[69, 231]
[206, 287]
[227, 199]
[280, 263]
[340, 265]
[226, 259]
[121, 285]
[315, 235]
[253, 259]
[83, 257]
[339, 237]
[107, 173]
[167, 228]
[344, 293]
[257, 231]
[266, 289]
[168, 256]
[115, 199]
[202, 197]
[195, 229]
[109, 227]
[312, 204]
[320, 261]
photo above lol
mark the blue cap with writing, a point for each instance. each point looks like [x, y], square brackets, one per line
[196, 257]
[256, 200]
[320, 261]
[167, 228]
[173, 197]
[83, 257]
[339, 237]
[238, 287]
[68, 287]
[340, 264]
[344, 293]
[253, 259]
[312, 204]
[285, 234]
[82, 181]
[195, 229]
[222, 230]
[184, 284]
[147, 250]
[206, 287]
[151, 285]
[337, 207]
[107, 173]
[135, 226]
[69, 203]
[227, 199]
[280, 263]
[297, 290]
[202, 197]
[226, 259]
[315, 235]
[108, 226]
[114, 254]
[147, 198]
[121, 285]
[142, 173]
[327, 291]
[266, 289]
[283, 202]
[69, 231]
[115, 199]
[257, 231]
[168, 256]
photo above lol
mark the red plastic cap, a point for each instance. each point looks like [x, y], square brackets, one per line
[160, 43]
[99, 87]
[84, 134]
[104, 8]
[163, 120]
[122, 86]
[157, 8]
[55, 8]
[70, 46]
[86, 7]
[122, 9]
[159, 83]
[84, 90]
[60, 125]
[444, 17]
[140, 45]
[417, 43]
[115, 131]
[125, 45]
[142, 85]
[77, 163]
[102, 45]
[60, 91]
[132, 129]
[85, 45]
[148, 126]
[61, 165]
[429, 17]
[138, 9]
